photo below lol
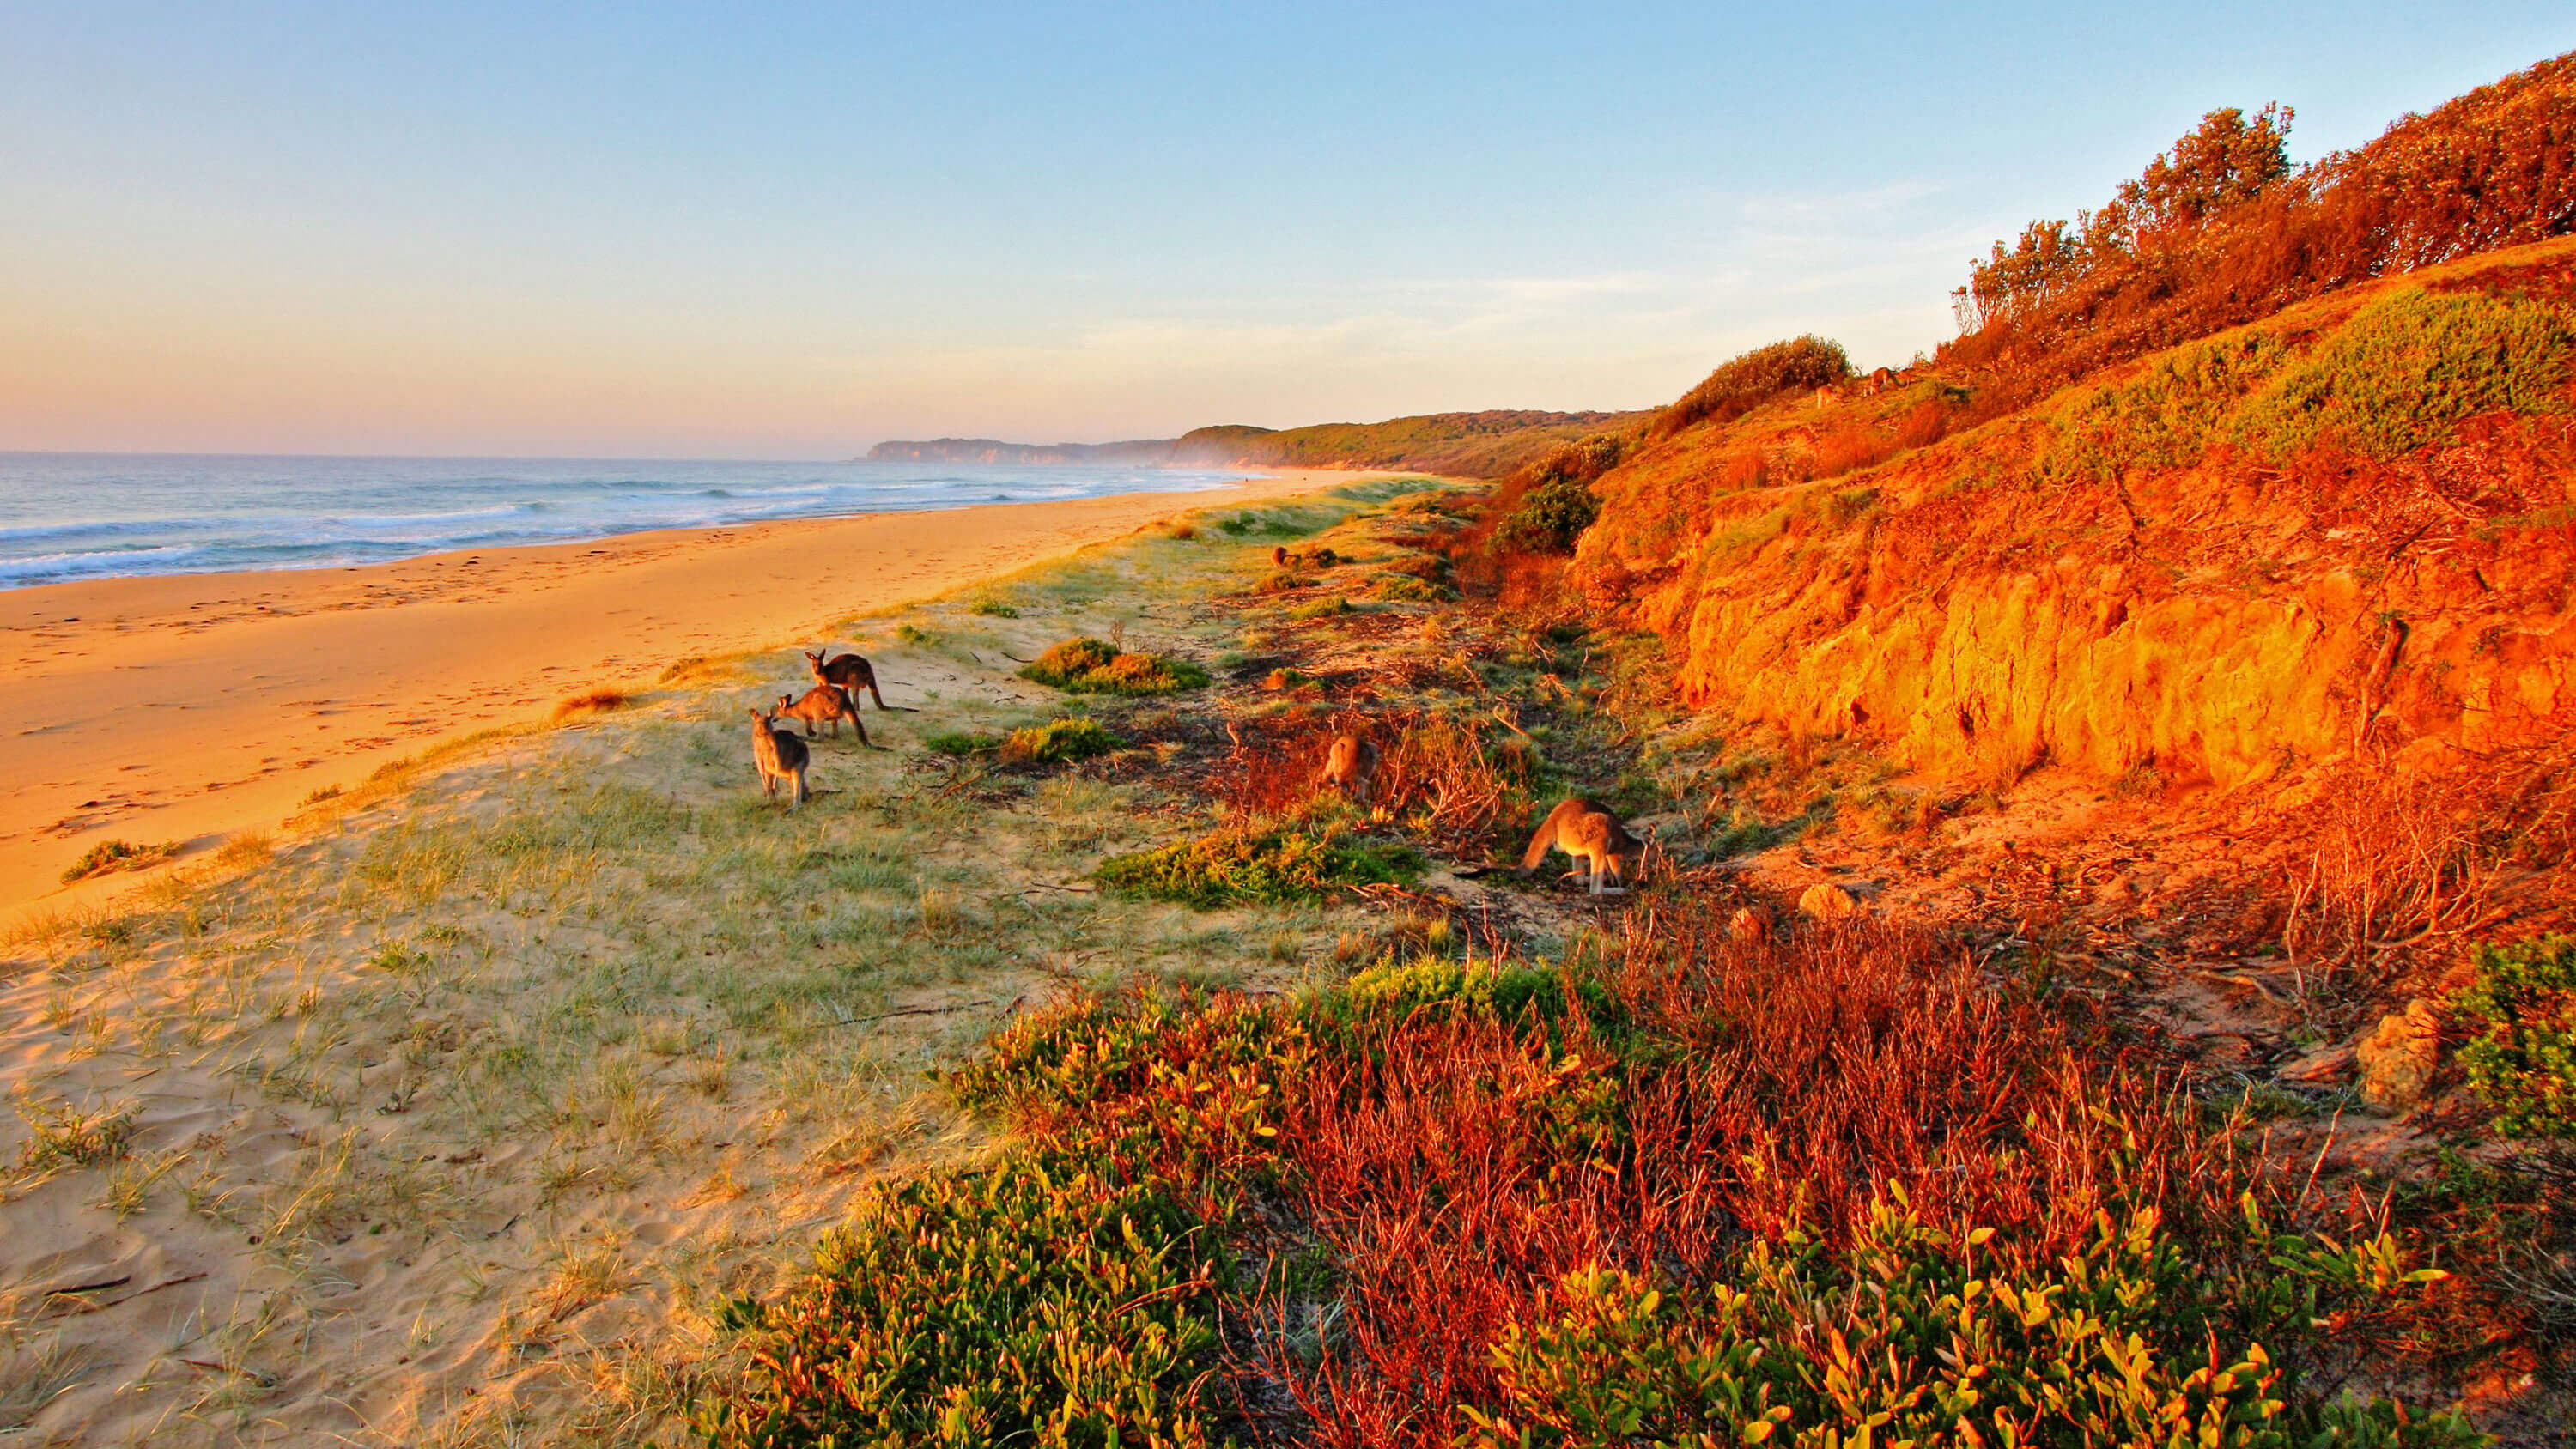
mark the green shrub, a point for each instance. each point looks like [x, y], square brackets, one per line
[1245, 866]
[1935, 1342]
[1550, 518]
[2166, 415]
[1093, 666]
[1058, 740]
[1321, 609]
[2410, 366]
[2524, 1063]
[115, 855]
[993, 609]
[1028, 1303]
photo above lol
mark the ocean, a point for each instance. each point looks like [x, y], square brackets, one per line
[66, 516]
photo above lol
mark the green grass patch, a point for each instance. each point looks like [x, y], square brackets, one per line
[1321, 609]
[1057, 741]
[1244, 866]
[1395, 989]
[2524, 1062]
[961, 743]
[1401, 588]
[1094, 666]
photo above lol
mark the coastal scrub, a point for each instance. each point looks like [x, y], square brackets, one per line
[1095, 666]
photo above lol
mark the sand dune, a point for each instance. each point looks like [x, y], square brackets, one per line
[186, 709]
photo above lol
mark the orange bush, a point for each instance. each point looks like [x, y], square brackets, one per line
[2220, 230]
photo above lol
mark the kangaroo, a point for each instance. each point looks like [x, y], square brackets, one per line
[850, 672]
[779, 756]
[1351, 767]
[825, 702]
[1593, 837]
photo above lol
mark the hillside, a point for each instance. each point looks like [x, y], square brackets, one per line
[1458, 445]
[2344, 527]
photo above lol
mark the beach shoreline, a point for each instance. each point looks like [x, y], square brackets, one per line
[188, 708]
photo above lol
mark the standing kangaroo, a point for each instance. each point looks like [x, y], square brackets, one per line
[825, 702]
[1350, 766]
[1593, 837]
[849, 671]
[779, 756]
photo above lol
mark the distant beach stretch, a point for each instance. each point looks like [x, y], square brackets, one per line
[70, 516]
[265, 686]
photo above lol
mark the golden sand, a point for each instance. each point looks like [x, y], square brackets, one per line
[191, 708]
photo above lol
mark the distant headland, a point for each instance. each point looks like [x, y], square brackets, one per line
[1478, 444]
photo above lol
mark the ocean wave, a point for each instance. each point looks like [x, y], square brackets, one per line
[163, 515]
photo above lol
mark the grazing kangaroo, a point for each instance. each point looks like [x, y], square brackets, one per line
[1350, 766]
[825, 702]
[780, 756]
[1594, 837]
[850, 672]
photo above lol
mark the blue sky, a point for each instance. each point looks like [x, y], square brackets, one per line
[790, 231]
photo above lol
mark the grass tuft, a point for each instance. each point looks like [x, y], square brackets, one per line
[61, 1135]
[109, 856]
[599, 700]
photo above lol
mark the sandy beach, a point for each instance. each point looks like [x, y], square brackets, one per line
[186, 709]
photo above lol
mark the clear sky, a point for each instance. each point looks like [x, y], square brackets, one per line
[790, 231]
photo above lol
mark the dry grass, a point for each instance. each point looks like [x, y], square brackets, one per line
[599, 699]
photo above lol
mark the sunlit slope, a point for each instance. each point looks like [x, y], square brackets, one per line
[2348, 525]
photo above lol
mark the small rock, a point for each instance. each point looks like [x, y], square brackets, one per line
[1749, 923]
[2397, 1057]
[1827, 902]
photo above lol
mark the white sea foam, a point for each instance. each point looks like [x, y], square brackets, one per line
[84, 516]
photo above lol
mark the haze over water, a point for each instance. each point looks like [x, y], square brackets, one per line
[68, 516]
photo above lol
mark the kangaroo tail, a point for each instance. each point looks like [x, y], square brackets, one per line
[1537, 848]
